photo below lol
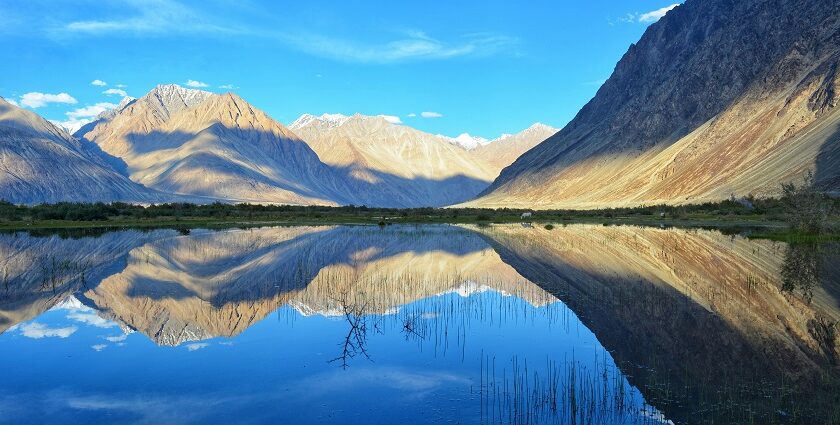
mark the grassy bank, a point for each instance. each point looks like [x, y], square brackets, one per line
[760, 218]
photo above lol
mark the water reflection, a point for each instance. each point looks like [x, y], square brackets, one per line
[494, 324]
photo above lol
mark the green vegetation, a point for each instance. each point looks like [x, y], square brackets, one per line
[770, 214]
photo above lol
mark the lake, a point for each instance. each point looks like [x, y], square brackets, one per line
[502, 324]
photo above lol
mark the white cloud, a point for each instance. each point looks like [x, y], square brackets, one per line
[197, 346]
[392, 119]
[91, 111]
[227, 86]
[412, 115]
[121, 86]
[37, 99]
[99, 347]
[81, 116]
[70, 125]
[91, 319]
[431, 114]
[99, 83]
[37, 330]
[118, 338]
[195, 83]
[115, 92]
[655, 15]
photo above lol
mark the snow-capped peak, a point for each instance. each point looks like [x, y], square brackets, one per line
[467, 141]
[541, 126]
[172, 93]
[330, 120]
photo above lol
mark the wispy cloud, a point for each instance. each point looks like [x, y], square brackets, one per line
[121, 86]
[37, 330]
[99, 347]
[195, 83]
[165, 17]
[99, 83]
[151, 17]
[115, 92]
[227, 86]
[430, 114]
[411, 115]
[414, 46]
[37, 99]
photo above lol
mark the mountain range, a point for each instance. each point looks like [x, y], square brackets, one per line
[704, 306]
[182, 144]
[717, 99]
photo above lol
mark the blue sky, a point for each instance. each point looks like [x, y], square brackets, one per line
[483, 67]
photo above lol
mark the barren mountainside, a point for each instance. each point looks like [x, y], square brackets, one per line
[40, 162]
[719, 97]
[217, 146]
[506, 149]
[396, 165]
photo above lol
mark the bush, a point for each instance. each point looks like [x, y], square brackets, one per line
[806, 208]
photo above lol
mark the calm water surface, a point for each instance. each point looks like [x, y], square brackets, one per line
[581, 324]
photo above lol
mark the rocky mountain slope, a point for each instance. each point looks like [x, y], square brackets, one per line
[719, 97]
[501, 152]
[193, 142]
[395, 165]
[695, 310]
[40, 162]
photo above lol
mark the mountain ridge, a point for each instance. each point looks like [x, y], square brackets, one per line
[717, 98]
[41, 162]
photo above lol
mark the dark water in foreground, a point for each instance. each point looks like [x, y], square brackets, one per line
[581, 324]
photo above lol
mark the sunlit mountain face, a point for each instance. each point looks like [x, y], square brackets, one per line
[417, 324]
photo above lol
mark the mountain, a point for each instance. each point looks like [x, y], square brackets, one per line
[40, 162]
[388, 164]
[178, 288]
[704, 308]
[501, 152]
[719, 97]
[394, 165]
[467, 141]
[194, 142]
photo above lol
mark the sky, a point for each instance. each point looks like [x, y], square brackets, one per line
[484, 67]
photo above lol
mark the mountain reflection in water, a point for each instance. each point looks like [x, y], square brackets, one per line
[498, 324]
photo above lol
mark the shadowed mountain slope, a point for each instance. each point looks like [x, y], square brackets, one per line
[719, 97]
[40, 162]
[389, 164]
[217, 146]
[693, 315]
